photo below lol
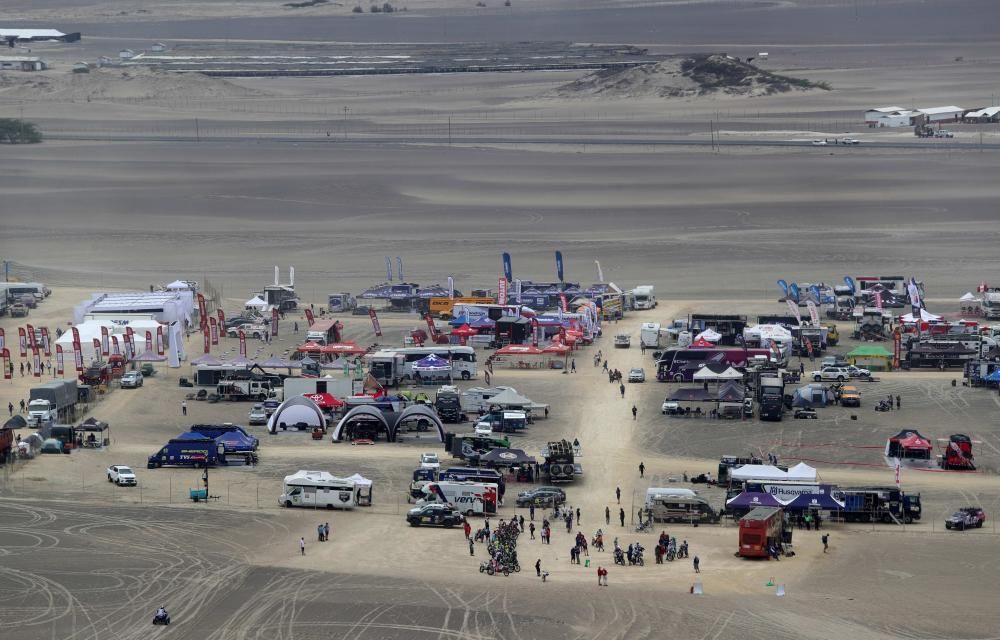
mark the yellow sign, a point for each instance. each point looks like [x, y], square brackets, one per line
[442, 307]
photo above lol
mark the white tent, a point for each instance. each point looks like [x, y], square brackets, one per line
[802, 472]
[256, 303]
[709, 373]
[968, 297]
[178, 285]
[925, 315]
[510, 398]
[758, 472]
[362, 488]
[294, 411]
[763, 332]
[710, 335]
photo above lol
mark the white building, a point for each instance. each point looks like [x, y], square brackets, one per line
[989, 114]
[888, 117]
[940, 114]
[22, 63]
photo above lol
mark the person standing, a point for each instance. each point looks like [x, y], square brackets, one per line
[22, 369]
[531, 529]
[326, 532]
[899, 402]
[184, 407]
[697, 564]
[22, 405]
[10, 408]
[578, 516]
[618, 494]
[607, 515]
[826, 542]
[572, 365]
[621, 516]
[531, 512]
[521, 523]
[621, 388]
[302, 545]
[635, 411]
[890, 397]
[319, 532]
[538, 567]
[642, 469]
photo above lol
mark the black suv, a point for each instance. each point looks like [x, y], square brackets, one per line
[541, 497]
[440, 515]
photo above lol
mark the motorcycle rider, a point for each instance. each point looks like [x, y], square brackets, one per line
[161, 614]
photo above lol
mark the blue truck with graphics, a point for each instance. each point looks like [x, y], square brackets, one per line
[189, 449]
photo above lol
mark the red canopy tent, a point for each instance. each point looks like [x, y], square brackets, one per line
[557, 348]
[702, 343]
[312, 347]
[909, 444]
[343, 348]
[325, 400]
[519, 350]
[464, 332]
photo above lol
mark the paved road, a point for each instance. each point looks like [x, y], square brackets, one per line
[949, 145]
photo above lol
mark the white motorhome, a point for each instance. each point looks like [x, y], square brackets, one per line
[339, 388]
[649, 334]
[643, 297]
[656, 492]
[469, 498]
[318, 489]
[477, 399]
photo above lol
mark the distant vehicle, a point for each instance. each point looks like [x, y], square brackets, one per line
[122, 475]
[132, 380]
[943, 133]
[644, 297]
[840, 374]
[484, 429]
[622, 341]
[541, 497]
[249, 330]
[440, 515]
[257, 415]
[833, 361]
[430, 461]
[805, 414]
[850, 397]
[820, 143]
[849, 141]
[360, 311]
[637, 375]
[18, 310]
[669, 408]
[966, 518]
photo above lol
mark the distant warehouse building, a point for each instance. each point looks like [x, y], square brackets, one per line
[888, 117]
[938, 114]
[12, 35]
[22, 63]
[989, 114]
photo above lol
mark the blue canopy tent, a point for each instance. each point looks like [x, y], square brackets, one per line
[993, 377]
[750, 499]
[459, 321]
[431, 367]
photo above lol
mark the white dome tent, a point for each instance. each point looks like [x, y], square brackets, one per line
[296, 411]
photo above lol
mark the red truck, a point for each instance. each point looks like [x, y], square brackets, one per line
[760, 529]
[6, 444]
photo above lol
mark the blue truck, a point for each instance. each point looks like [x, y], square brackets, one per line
[879, 504]
[190, 449]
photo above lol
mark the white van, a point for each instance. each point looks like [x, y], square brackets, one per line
[468, 498]
[477, 399]
[691, 509]
[318, 489]
[319, 337]
[655, 492]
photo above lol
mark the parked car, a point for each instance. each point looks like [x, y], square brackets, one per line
[430, 461]
[249, 330]
[850, 396]
[670, 408]
[131, 380]
[541, 497]
[257, 415]
[805, 414]
[849, 141]
[440, 515]
[943, 133]
[622, 341]
[483, 428]
[122, 475]
[360, 311]
[966, 518]
[18, 310]
[833, 361]
[637, 375]
[840, 374]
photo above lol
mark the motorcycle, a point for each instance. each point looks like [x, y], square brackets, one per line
[619, 557]
[489, 568]
[161, 618]
[637, 555]
[883, 405]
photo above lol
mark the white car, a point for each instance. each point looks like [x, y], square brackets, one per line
[820, 143]
[484, 429]
[131, 380]
[637, 375]
[122, 475]
[840, 374]
[850, 141]
[257, 415]
[249, 330]
[430, 461]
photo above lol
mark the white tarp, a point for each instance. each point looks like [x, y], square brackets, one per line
[925, 315]
[709, 334]
[799, 473]
[968, 297]
[178, 285]
[706, 373]
[118, 326]
[763, 332]
[256, 303]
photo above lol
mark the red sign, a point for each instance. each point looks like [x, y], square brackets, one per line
[78, 356]
[60, 362]
[8, 369]
[31, 336]
[208, 340]
[222, 317]
[104, 341]
[274, 322]
[149, 341]
[202, 313]
[36, 362]
[375, 324]
[309, 317]
[114, 346]
[897, 340]
[502, 290]
[213, 331]
[22, 342]
[562, 300]
[159, 339]
[243, 344]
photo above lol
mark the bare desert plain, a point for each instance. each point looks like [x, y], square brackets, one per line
[147, 176]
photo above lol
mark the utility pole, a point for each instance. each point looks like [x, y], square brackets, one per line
[449, 131]
[197, 131]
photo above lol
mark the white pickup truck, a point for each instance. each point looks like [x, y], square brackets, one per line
[249, 330]
[840, 374]
[122, 475]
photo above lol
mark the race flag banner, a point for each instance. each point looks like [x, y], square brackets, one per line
[149, 341]
[208, 340]
[97, 347]
[60, 360]
[388, 269]
[794, 308]
[76, 334]
[105, 346]
[897, 343]
[213, 331]
[159, 339]
[31, 337]
[508, 269]
[36, 359]
[399, 265]
[878, 300]
[535, 330]
[562, 301]
[115, 347]
[22, 341]
[517, 291]
[274, 322]
[559, 265]
[813, 313]
[78, 356]
[243, 344]
[3, 339]
[202, 312]
[46, 342]
[310, 319]
[8, 367]
[222, 317]
[897, 473]
[375, 324]
[502, 290]
[451, 288]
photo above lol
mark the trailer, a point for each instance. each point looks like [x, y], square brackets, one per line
[644, 297]
[761, 529]
[878, 504]
[559, 462]
[189, 450]
[649, 335]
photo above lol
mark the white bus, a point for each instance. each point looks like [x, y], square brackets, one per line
[18, 289]
[463, 359]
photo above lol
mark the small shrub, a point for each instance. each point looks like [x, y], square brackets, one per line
[16, 131]
[357, 9]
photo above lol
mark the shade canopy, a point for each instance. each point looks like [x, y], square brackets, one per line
[702, 343]
[274, 363]
[506, 457]
[325, 400]
[432, 363]
[464, 331]
[207, 359]
[709, 335]
[968, 297]
[149, 356]
[519, 350]
[925, 315]
[557, 348]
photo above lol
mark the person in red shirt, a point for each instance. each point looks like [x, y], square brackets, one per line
[467, 528]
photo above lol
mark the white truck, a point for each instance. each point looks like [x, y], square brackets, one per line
[52, 401]
[649, 335]
[468, 498]
[991, 305]
[644, 297]
[122, 475]
[257, 390]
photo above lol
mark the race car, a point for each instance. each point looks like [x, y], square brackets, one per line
[966, 518]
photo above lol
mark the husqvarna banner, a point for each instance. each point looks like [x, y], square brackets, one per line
[60, 360]
[559, 266]
[375, 324]
[274, 322]
[508, 270]
[105, 346]
[8, 372]
[813, 312]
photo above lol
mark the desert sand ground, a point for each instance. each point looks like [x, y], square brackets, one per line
[82, 559]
